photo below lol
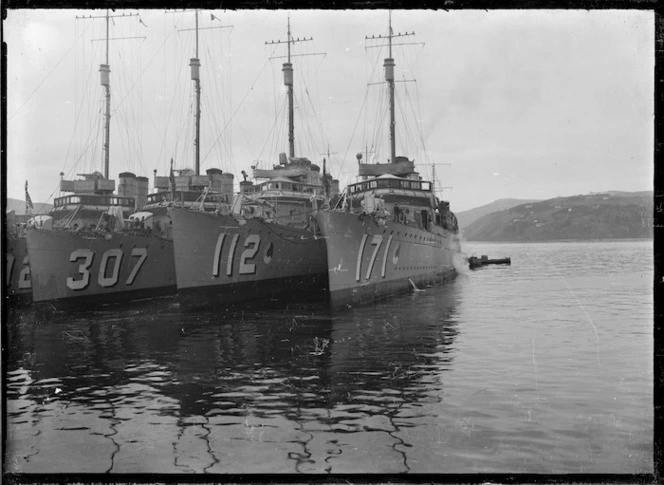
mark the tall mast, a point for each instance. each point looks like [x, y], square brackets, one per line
[288, 82]
[389, 77]
[105, 70]
[195, 64]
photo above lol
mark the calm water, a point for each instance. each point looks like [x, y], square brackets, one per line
[544, 366]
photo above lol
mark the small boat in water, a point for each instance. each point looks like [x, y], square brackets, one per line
[475, 262]
[268, 247]
[389, 232]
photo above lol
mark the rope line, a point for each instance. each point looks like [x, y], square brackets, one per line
[48, 75]
[251, 88]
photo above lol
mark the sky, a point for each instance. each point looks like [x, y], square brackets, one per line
[499, 104]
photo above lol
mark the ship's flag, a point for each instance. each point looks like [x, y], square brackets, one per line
[28, 201]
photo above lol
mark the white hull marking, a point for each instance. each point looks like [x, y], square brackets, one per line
[359, 257]
[387, 249]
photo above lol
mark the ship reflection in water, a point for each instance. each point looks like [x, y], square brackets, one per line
[156, 390]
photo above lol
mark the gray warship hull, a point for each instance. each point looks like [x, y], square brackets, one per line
[222, 261]
[369, 259]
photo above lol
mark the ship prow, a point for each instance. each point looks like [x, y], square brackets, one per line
[389, 233]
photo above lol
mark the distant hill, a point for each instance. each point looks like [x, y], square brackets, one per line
[606, 215]
[18, 206]
[466, 218]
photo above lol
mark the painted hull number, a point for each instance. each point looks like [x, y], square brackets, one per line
[109, 267]
[24, 282]
[376, 241]
[252, 244]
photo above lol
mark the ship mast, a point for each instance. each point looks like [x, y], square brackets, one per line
[195, 65]
[105, 71]
[288, 82]
[389, 77]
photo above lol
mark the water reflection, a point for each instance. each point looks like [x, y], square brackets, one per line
[153, 389]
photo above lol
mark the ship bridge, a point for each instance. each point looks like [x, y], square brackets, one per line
[404, 200]
[90, 196]
[283, 186]
[393, 188]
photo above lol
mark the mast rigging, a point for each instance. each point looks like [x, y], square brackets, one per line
[288, 82]
[195, 64]
[389, 77]
[105, 74]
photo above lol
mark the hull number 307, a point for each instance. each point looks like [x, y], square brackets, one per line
[110, 263]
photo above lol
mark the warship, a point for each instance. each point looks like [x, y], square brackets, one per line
[17, 278]
[268, 246]
[75, 252]
[127, 253]
[389, 232]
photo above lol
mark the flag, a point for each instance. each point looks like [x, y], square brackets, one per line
[142, 23]
[28, 201]
[212, 17]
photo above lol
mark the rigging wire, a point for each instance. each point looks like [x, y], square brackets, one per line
[359, 115]
[45, 79]
[249, 90]
[174, 105]
[319, 124]
[180, 110]
[77, 113]
[214, 104]
[213, 101]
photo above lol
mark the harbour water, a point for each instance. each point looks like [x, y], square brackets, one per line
[544, 366]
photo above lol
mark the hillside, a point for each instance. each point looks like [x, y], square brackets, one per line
[607, 215]
[466, 218]
[18, 206]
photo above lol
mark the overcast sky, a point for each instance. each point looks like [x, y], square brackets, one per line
[520, 104]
